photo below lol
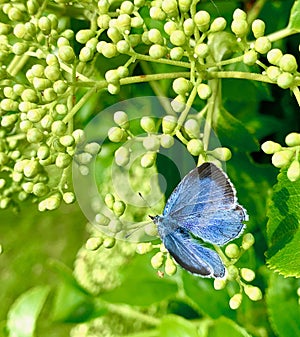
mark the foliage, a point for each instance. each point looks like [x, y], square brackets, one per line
[85, 114]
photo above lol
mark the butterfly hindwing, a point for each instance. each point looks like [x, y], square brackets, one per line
[192, 256]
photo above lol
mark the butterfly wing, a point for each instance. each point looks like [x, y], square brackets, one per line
[192, 256]
[205, 204]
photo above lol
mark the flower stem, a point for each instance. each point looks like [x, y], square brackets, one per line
[296, 92]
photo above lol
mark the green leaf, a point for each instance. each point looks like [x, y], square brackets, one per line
[283, 231]
[283, 306]
[228, 127]
[141, 286]
[24, 312]
[172, 325]
[294, 21]
[226, 327]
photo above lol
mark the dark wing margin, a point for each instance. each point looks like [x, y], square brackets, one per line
[192, 256]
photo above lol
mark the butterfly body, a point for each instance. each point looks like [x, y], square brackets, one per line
[204, 205]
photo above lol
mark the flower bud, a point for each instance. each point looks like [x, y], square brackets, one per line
[67, 140]
[270, 147]
[121, 119]
[15, 14]
[43, 152]
[169, 123]
[86, 54]
[178, 38]
[115, 226]
[148, 159]
[92, 148]
[292, 139]
[8, 120]
[151, 143]
[258, 28]
[93, 244]
[235, 301]
[247, 274]
[181, 86]
[84, 158]
[157, 13]
[176, 53]
[219, 284]
[60, 87]
[195, 147]
[157, 51]
[202, 19]
[154, 36]
[40, 189]
[166, 141]
[123, 47]
[45, 25]
[69, 198]
[170, 7]
[273, 73]
[109, 242]
[262, 45]
[192, 128]
[34, 135]
[41, 84]
[239, 27]
[46, 122]
[274, 56]
[19, 48]
[204, 91]
[59, 128]
[122, 156]
[254, 293]
[144, 248]
[188, 27]
[66, 54]
[53, 202]
[116, 134]
[239, 14]
[218, 25]
[2, 183]
[170, 27]
[221, 153]
[233, 272]
[119, 207]
[112, 76]
[293, 172]
[83, 35]
[157, 260]
[282, 158]
[248, 241]
[79, 136]
[178, 103]
[103, 21]
[31, 169]
[148, 124]
[113, 89]
[201, 50]
[170, 266]
[63, 160]
[232, 251]
[109, 200]
[250, 57]
[28, 186]
[288, 63]
[109, 51]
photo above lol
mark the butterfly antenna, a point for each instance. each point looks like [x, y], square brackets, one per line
[147, 203]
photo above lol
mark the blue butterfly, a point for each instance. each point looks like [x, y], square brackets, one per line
[204, 205]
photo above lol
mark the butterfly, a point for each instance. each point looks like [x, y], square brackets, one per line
[203, 205]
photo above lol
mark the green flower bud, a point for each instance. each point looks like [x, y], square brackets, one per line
[4, 202]
[61, 109]
[113, 89]
[103, 21]
[137, 22]
[134, 40]
[151, 143]
[176, 53]
[109, 242]
[270, 147]
[38, 70]
[41, 84]
[181, 86]
[116, 134]
[262, 45]
[250, 57]
[83, 35]
[45, 25]
[145, 38]
[202, 20]
[239, 27]
[5, 29]
[103, 6]
[121, 119]
[235, 301]
[218, 25]
[84, 158]
[232, 251]
[9, 93]
[8, 120]
[40, 189]
[239, 14]
[201, 50]
[221, 153]
[30, 29]
[16, 177]
[59, 128]
[166, 141]
[126, 7]
[282, 158]
[122, 156]
[188, 27]
[258, 28]
[35, 115]
[60, 87]
[31, 169]
[184, 5]
[148, 124]
[293, 172]
[170, 7]
[4, 160]
[93, 148]
[123, 23]
[114, 34]
[69, 198]
[285, 80]
[233, 272]
[254, 293]
[28, 187]
[63, 160]
[247, 274]
[86, 54]
[67, 140]
[170, 27]
[195, 147]
[109, 200]
[52, 72]
[79, 136]
[148, 159]
[273, 73]
[178, 38]
[292, 139]
[204, 91]
[157, 13]
[19, 165]
[192, 128]
[34, 135]
[122, 71]
[274, 56]
[66, 54]
[2, 183]
[15, 14]
[288, 63]
[101, 219]
[178, 103]
[157, 260]
[169, 124]
[53, 202]
[63, 42]
[19, 48]
[219, 284]
[93, 243]
[170, 267]
[144, 248]
[49, 95]
[46, 122]
[112, 76]
[154, 36]
[157, 51]
[123, 47]
[84, 170]
[248, 241]
[29, 95]
[43, 152]
[119, 207]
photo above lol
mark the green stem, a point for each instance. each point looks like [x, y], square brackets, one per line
[225, 62]
[239, 75]
[213, 108]
[154, 77]
[296, 92]
[255, 10]
[281, 34]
